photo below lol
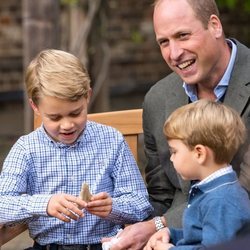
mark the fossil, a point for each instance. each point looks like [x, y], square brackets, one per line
[85, 193]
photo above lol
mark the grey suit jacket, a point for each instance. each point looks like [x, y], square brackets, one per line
[165, 187]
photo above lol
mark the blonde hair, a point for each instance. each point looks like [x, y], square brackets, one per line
[58, 74]
[209, 123]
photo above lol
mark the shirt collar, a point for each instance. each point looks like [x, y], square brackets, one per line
[221, 88]
[216, 174]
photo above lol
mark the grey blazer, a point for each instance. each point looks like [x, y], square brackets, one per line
[166, 189]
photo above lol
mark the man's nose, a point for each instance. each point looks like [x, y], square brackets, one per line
[175, 51]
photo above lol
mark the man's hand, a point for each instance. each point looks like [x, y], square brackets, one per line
[134, 236]
[65, 207]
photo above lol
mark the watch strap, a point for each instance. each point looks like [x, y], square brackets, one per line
[158, 223]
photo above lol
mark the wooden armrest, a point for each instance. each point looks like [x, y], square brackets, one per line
[7, 233]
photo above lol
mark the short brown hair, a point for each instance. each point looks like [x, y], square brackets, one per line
[209, 123]
[203, 9]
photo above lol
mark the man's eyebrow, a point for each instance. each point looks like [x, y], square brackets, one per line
[160, 39]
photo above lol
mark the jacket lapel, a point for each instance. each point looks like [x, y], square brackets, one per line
[238, 92]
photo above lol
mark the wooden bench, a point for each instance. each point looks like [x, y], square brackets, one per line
[128, 122]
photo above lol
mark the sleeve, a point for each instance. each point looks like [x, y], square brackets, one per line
[158, 185]
[174, 215]
[130, 198]
[16, 204]
[222, 219]
[244, 175]
[164, 196]
[175, 235]
[196, 247]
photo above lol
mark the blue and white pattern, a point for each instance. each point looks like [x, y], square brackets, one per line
[38, 167]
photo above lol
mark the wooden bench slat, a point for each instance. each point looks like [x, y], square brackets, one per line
[8, 233]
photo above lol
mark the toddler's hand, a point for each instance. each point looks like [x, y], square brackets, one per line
[162, 246]
[162, 236]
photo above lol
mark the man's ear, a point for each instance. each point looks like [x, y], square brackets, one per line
[34, 107]
[215, 26]
[200, 153]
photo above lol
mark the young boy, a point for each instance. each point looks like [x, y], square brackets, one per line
[44, 171]
[203, 138]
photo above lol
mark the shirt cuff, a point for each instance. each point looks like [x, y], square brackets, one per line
[37, 204]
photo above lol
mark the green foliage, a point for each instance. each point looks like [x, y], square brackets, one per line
[247, 6]
[69, 2]
[227, 3]
[136, 37]
[232, 4]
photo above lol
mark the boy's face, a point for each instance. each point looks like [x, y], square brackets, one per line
[63, 120]
[184, 160]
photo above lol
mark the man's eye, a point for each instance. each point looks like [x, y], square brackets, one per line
[163, 43]
[184, 35]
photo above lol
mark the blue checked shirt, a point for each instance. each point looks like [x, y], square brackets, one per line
[37, 167]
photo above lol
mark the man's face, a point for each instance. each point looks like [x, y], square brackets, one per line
[63, 120]
[189, 49]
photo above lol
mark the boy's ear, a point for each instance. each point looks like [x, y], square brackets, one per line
[89, 95]
[200, 153]
[33, 106]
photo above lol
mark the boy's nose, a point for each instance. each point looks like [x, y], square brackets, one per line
[67, 124]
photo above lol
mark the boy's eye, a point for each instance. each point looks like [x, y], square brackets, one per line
[172, 151]
[54, 118]
[75, 114]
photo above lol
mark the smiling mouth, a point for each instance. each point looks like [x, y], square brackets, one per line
[185, 64]
[68, 134]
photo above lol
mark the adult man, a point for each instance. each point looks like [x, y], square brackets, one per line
[205, 65]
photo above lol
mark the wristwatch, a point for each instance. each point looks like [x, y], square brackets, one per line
[158, 223]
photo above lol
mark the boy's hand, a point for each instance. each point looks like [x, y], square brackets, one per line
[65, 207]
[100, 205]
[162, 246]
